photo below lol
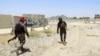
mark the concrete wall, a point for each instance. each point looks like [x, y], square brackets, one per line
[16, 19]
[5, 21]
[37, 20]
[97, 16]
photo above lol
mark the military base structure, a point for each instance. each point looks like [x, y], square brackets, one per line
[97, 16]
[9, 21]
[5, 21]
[37, 20]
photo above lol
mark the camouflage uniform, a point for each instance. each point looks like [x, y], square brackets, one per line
[62, 25]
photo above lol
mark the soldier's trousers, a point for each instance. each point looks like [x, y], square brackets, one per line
[21, 38]
[63, 36]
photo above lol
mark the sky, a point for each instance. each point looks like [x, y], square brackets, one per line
[69, 8]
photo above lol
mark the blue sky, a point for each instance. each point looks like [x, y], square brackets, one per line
[50, 8]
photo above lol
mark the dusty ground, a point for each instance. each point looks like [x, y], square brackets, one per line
[82, 40]
[4, 38]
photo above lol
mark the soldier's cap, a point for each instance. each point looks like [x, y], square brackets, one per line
[60, 18]
[22, 19]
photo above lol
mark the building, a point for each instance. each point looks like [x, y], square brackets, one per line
[36, 20]
[97, 16]
[5, 21]
[16, 19]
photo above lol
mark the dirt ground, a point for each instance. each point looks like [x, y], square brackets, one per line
[82, 40]
[5, 37]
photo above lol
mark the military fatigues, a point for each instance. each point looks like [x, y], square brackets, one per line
[20, 31]
[62, 25]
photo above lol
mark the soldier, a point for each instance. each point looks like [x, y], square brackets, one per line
[20, 31]
[62, 26]
[15, 30]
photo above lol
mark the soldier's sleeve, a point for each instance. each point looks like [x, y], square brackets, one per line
[58, 27]
[65, 25]
[26, 31]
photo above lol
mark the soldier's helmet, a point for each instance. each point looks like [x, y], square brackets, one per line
[22, 19]
[60, 19]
